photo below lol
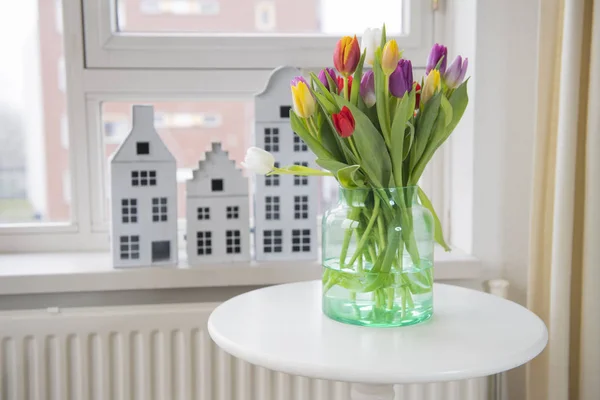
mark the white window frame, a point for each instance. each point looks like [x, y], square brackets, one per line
[114, 67]
[108, 48]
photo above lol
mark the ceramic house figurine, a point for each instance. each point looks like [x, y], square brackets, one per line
[285, 206]
[143, 197]
[218, 227]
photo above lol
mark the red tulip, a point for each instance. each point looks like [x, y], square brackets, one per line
[340, 83]
[344, 122]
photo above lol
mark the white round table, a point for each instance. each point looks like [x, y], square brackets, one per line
[471, 334]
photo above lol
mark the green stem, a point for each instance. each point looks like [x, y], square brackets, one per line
[365, 235]
[352, 215]
[317, 132]
[386, 102]
[346, 88]
[390, 297]
[381, 232]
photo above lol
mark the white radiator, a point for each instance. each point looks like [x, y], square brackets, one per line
[160, 352]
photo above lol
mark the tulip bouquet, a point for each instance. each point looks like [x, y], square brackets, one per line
[373, 127]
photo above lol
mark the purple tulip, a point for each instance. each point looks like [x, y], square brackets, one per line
[455, 73]
[367, 88]
[299, 79]
[323, 77]
[401, 80]
[437, 52]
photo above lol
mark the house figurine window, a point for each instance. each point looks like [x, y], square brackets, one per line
[233, 212]
[272, 180]
[272, 241]
[159, 209]
[143, 178]
[300, 240]
[300, 207]
[142, 148]
[129, 211]
[204, 243]
[284, 111]
[203, 213]
[299, 144]
[272, 207]
[216, 185]
[301, 180]
[272, 139]
[233, 242]
[129, 247]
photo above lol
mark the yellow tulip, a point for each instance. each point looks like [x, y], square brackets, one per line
[304, 102]
[390, 57]
[432, 85]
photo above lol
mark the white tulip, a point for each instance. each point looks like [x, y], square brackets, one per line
[259, 161]
[370, 41]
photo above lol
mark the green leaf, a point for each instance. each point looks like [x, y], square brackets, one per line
[351, 177]
[408, 140]
[380, 94]
[301, 170]
[374, 157]
[424, 126]
[383, 37]
[458, 100]
[347, 155]
[355, 90]
[397, 139]
[329, 106]
[331, 165]
[437, 229]
[322, 89]
[329, 141]
[315, 146]
[447, 108]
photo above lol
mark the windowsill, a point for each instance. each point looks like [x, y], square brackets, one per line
[91, 272]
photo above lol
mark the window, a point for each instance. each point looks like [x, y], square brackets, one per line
[300, 240]
[129, 211]
[272, 207]
[203, 213]
[284, 111]
[300, 207]
[117, 60]
[233, 212]
[142, 148]
[159, 209]
[204, 243]
[216, 185]
[233, 245]
[161, 251]
[298, 179]
[272, 241]
[34, 153]
[143, 178]
[129, 247]
[272, 180]
[299, 144]
[272, 139]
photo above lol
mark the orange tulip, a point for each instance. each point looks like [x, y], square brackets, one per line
[346, 55]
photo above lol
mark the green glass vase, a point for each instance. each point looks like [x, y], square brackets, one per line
[378, 258]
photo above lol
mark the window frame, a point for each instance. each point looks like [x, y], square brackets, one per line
[108, 48]
[88, 84]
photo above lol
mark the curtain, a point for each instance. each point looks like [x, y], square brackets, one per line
[564, 274]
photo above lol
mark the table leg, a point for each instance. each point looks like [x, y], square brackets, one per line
[495, 386]
[361, 391]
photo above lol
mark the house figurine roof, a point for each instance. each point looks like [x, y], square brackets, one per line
[142, 131]
[274, 102]
[217, 165]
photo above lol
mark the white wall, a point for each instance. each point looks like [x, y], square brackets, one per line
[494, 146]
